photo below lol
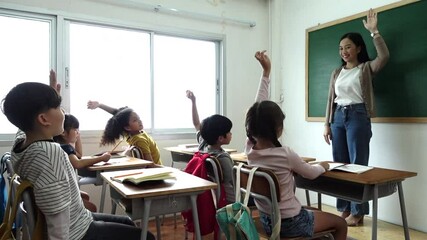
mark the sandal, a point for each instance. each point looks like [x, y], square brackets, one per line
[354, 220]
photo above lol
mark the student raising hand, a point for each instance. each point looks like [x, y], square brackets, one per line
[53, 82]
[265, 62]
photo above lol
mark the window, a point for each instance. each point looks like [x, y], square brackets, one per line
[117, 66]
[142, 70]
[25, 54]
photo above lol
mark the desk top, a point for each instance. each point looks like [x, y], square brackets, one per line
[373, 176]
[192, 150]
[120, 163]
[184, 183]
[241, 157]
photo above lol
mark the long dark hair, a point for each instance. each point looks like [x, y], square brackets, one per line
[116, 126]
[357, 39]
[263, 120]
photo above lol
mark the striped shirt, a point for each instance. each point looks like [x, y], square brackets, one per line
[48, 168]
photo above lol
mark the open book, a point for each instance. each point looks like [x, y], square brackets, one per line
[353, 168]
[144, 176]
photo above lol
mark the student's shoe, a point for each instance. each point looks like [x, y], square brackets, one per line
[354, 220]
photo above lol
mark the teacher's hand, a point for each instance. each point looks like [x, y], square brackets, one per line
[327, 135]
[371, 21]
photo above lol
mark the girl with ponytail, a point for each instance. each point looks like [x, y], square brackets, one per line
[264, 126]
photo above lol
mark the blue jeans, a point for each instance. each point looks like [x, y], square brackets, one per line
[108, 226]
[351, 134]
[302, 225]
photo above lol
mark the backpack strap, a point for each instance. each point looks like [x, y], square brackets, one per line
[249, 185]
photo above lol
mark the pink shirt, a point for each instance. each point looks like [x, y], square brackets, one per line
[284, 162]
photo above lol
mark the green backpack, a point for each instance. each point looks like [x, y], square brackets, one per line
[235, 219]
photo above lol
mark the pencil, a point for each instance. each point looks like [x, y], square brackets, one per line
[116, 145]
[126, 175]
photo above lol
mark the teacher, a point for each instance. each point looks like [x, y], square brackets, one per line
[350, 106]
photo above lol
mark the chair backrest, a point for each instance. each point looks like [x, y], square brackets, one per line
[265, 188]
[135, 152]
[30, 213]
[215, 174]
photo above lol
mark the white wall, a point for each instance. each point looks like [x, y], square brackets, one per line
[396, 146]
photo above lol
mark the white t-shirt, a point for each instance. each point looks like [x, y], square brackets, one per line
[347, 87]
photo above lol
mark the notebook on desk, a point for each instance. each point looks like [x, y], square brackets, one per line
[352, 168]
[146, 175]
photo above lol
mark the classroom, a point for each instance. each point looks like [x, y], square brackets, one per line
[239, 29]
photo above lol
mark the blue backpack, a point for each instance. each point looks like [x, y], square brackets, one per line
[3, 190]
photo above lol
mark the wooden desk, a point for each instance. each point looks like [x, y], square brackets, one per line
[113, 165]
[370, 185]
[241, 157]
[170, 196]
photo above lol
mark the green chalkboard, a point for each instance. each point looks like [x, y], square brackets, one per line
[401, 87]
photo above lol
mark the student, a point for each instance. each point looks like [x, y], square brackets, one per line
[212, 134]
[35, 109]
[70, 138]
[351, 105]
[264, 125]
[125, 122]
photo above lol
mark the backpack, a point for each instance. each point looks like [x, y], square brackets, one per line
[205, 202]
[235, 219]
[3, 191]
[6, 228]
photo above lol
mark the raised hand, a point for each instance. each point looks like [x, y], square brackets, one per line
[53, 82]
[371, 21]
[92, 104]
[190, 95]
[265, 62]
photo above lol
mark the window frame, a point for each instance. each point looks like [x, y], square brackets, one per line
[59, 60]
[53, 23]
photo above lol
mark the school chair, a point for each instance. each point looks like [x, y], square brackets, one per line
[265, 188]
[10, 172]
[32, 220]
[215, 175]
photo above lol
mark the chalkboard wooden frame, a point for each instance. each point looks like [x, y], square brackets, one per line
[322, 57]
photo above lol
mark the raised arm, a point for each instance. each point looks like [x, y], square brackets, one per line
[53, 82]
[371, 24]
[194, 112]
[96, 104]
[265, 62]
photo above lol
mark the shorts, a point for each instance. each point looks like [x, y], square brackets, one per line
[301, 225]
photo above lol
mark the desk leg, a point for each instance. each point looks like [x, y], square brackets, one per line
[375, 213]
[145, 219]
[403, 211]
[101, 204]
[319, 201]
[195, 216]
